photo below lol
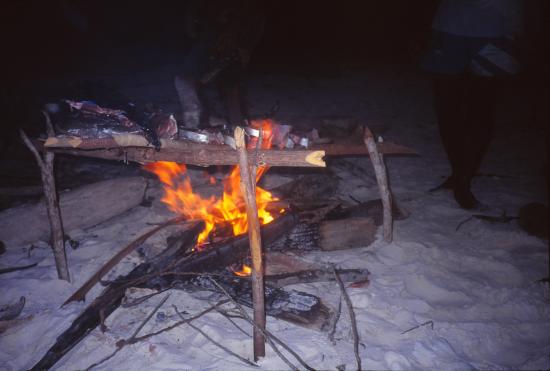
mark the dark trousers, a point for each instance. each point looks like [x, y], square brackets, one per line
[465, 107]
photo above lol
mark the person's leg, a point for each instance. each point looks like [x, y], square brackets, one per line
[482, 117]
[233, 103]
[187, 83]
[230, 86]
[189, 100]
[449, 95]
[478, 128]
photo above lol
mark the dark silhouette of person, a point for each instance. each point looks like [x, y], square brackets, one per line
[223, 34]
[472, 52]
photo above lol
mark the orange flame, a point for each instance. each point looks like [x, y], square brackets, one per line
[244, 272]
[230, 208]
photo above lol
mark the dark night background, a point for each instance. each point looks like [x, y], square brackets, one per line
[43, 37]
[59, 38]
[46, 40]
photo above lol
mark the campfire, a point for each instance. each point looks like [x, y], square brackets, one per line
[228, 209]
[196, 253]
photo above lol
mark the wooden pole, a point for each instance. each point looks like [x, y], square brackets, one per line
[182, 152]
[382, 180]
[46, 164]
[248, 189]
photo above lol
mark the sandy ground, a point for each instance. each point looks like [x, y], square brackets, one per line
[473, 291]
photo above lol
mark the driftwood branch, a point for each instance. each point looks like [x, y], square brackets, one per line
[248, 189]
[46, 164]
[351, 316]
[18, 268]
[382, 180]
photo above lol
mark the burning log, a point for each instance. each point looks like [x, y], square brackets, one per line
[217, 256]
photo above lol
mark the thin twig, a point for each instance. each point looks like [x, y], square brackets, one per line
[120, 344]
[222, 347]
[420, 325]
[144, 322]
[174, 325]
[351, 316]
[288, 349]
[269, 336]
[249, 320]
[103, 360]
[137, 301]
[354, 199]
[228, 317]
[337, 317]
[135, 281]
[462, 223]
[489, 218]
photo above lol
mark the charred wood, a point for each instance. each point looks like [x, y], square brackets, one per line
[294, 306]
[104, 305]
[176, 258]
[178, 267]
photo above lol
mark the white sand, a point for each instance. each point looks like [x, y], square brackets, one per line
[477, 285]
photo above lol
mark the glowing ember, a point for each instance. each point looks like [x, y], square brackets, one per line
[244, 272]
[229, 209]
